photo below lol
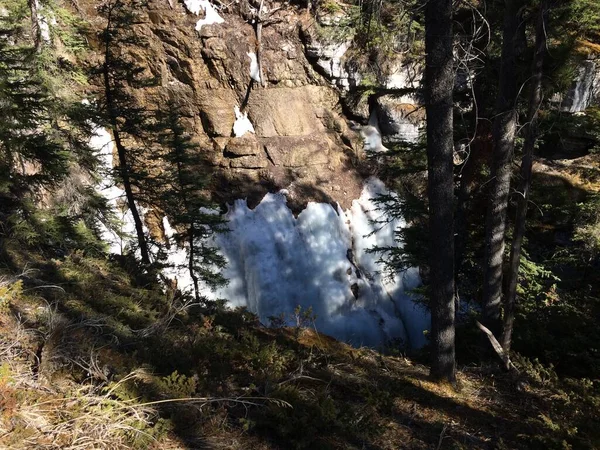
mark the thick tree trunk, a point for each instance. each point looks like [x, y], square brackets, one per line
[535, 99]
[503, 132]
[439, 83]
[122, 152]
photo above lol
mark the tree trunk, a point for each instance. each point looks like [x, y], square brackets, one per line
[468, 185]
[121, 151]
[503, 133]
[535, 99]
[191, 228]
[439, 83]
[36, 30]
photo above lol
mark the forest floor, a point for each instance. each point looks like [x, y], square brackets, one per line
[93, 356]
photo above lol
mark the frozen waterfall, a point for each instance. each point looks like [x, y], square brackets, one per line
[277, 262]
[319, 259]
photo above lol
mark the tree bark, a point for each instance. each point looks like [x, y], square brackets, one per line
[535, 99]
[124, 168]
[439, 83]
[503, 133]
[35, 24]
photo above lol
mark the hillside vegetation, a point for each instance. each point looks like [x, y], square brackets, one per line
[95, 356]
[101, 349]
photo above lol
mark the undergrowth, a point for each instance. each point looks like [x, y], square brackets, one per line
[87, 360]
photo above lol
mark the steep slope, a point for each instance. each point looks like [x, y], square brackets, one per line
[113, 364]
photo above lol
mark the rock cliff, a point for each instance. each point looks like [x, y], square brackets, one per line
[288, 110]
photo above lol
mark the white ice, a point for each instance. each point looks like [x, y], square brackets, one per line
[254, 71]
[277, 262]
[177, 260]
[242, 124]
[211, 16]
[372, 139]
[371, 135]
[319, 259]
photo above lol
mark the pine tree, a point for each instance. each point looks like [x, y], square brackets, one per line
[125, 118]
[535, 101]
[181, 185]
[504, 131]
[439, 83]
[32, 154]
[44, 134]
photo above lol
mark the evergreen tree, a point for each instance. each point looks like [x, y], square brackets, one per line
[180, 186]
[504, 132]
[439, 83]
[535, 100]
[126, 119]
[32, 155]
[43, 141]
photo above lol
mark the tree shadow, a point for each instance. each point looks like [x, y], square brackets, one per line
[303, 389]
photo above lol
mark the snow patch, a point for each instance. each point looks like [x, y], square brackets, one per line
[211, 16]
[254, 71]
[177, 263]
[242, 124]
[118, 239]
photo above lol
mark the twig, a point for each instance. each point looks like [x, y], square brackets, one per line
[497, 347]
[442, 434]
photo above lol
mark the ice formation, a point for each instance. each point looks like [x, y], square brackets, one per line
[176, 267]
[320, 259]
[372, 139]
[211, 16]
[242, 124]
[254, 71]
[584, 89]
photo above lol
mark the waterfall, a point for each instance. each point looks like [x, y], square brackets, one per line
[319, 260]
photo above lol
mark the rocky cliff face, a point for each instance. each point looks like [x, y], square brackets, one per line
[290, 132]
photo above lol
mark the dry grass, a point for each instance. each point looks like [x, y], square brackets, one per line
[586, 47]
[68, 415]
[221, 380]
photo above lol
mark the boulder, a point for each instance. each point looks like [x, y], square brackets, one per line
[242, 146]
[216, 111]
[249, 162]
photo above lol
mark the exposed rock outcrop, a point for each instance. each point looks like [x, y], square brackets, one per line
[297, 135]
